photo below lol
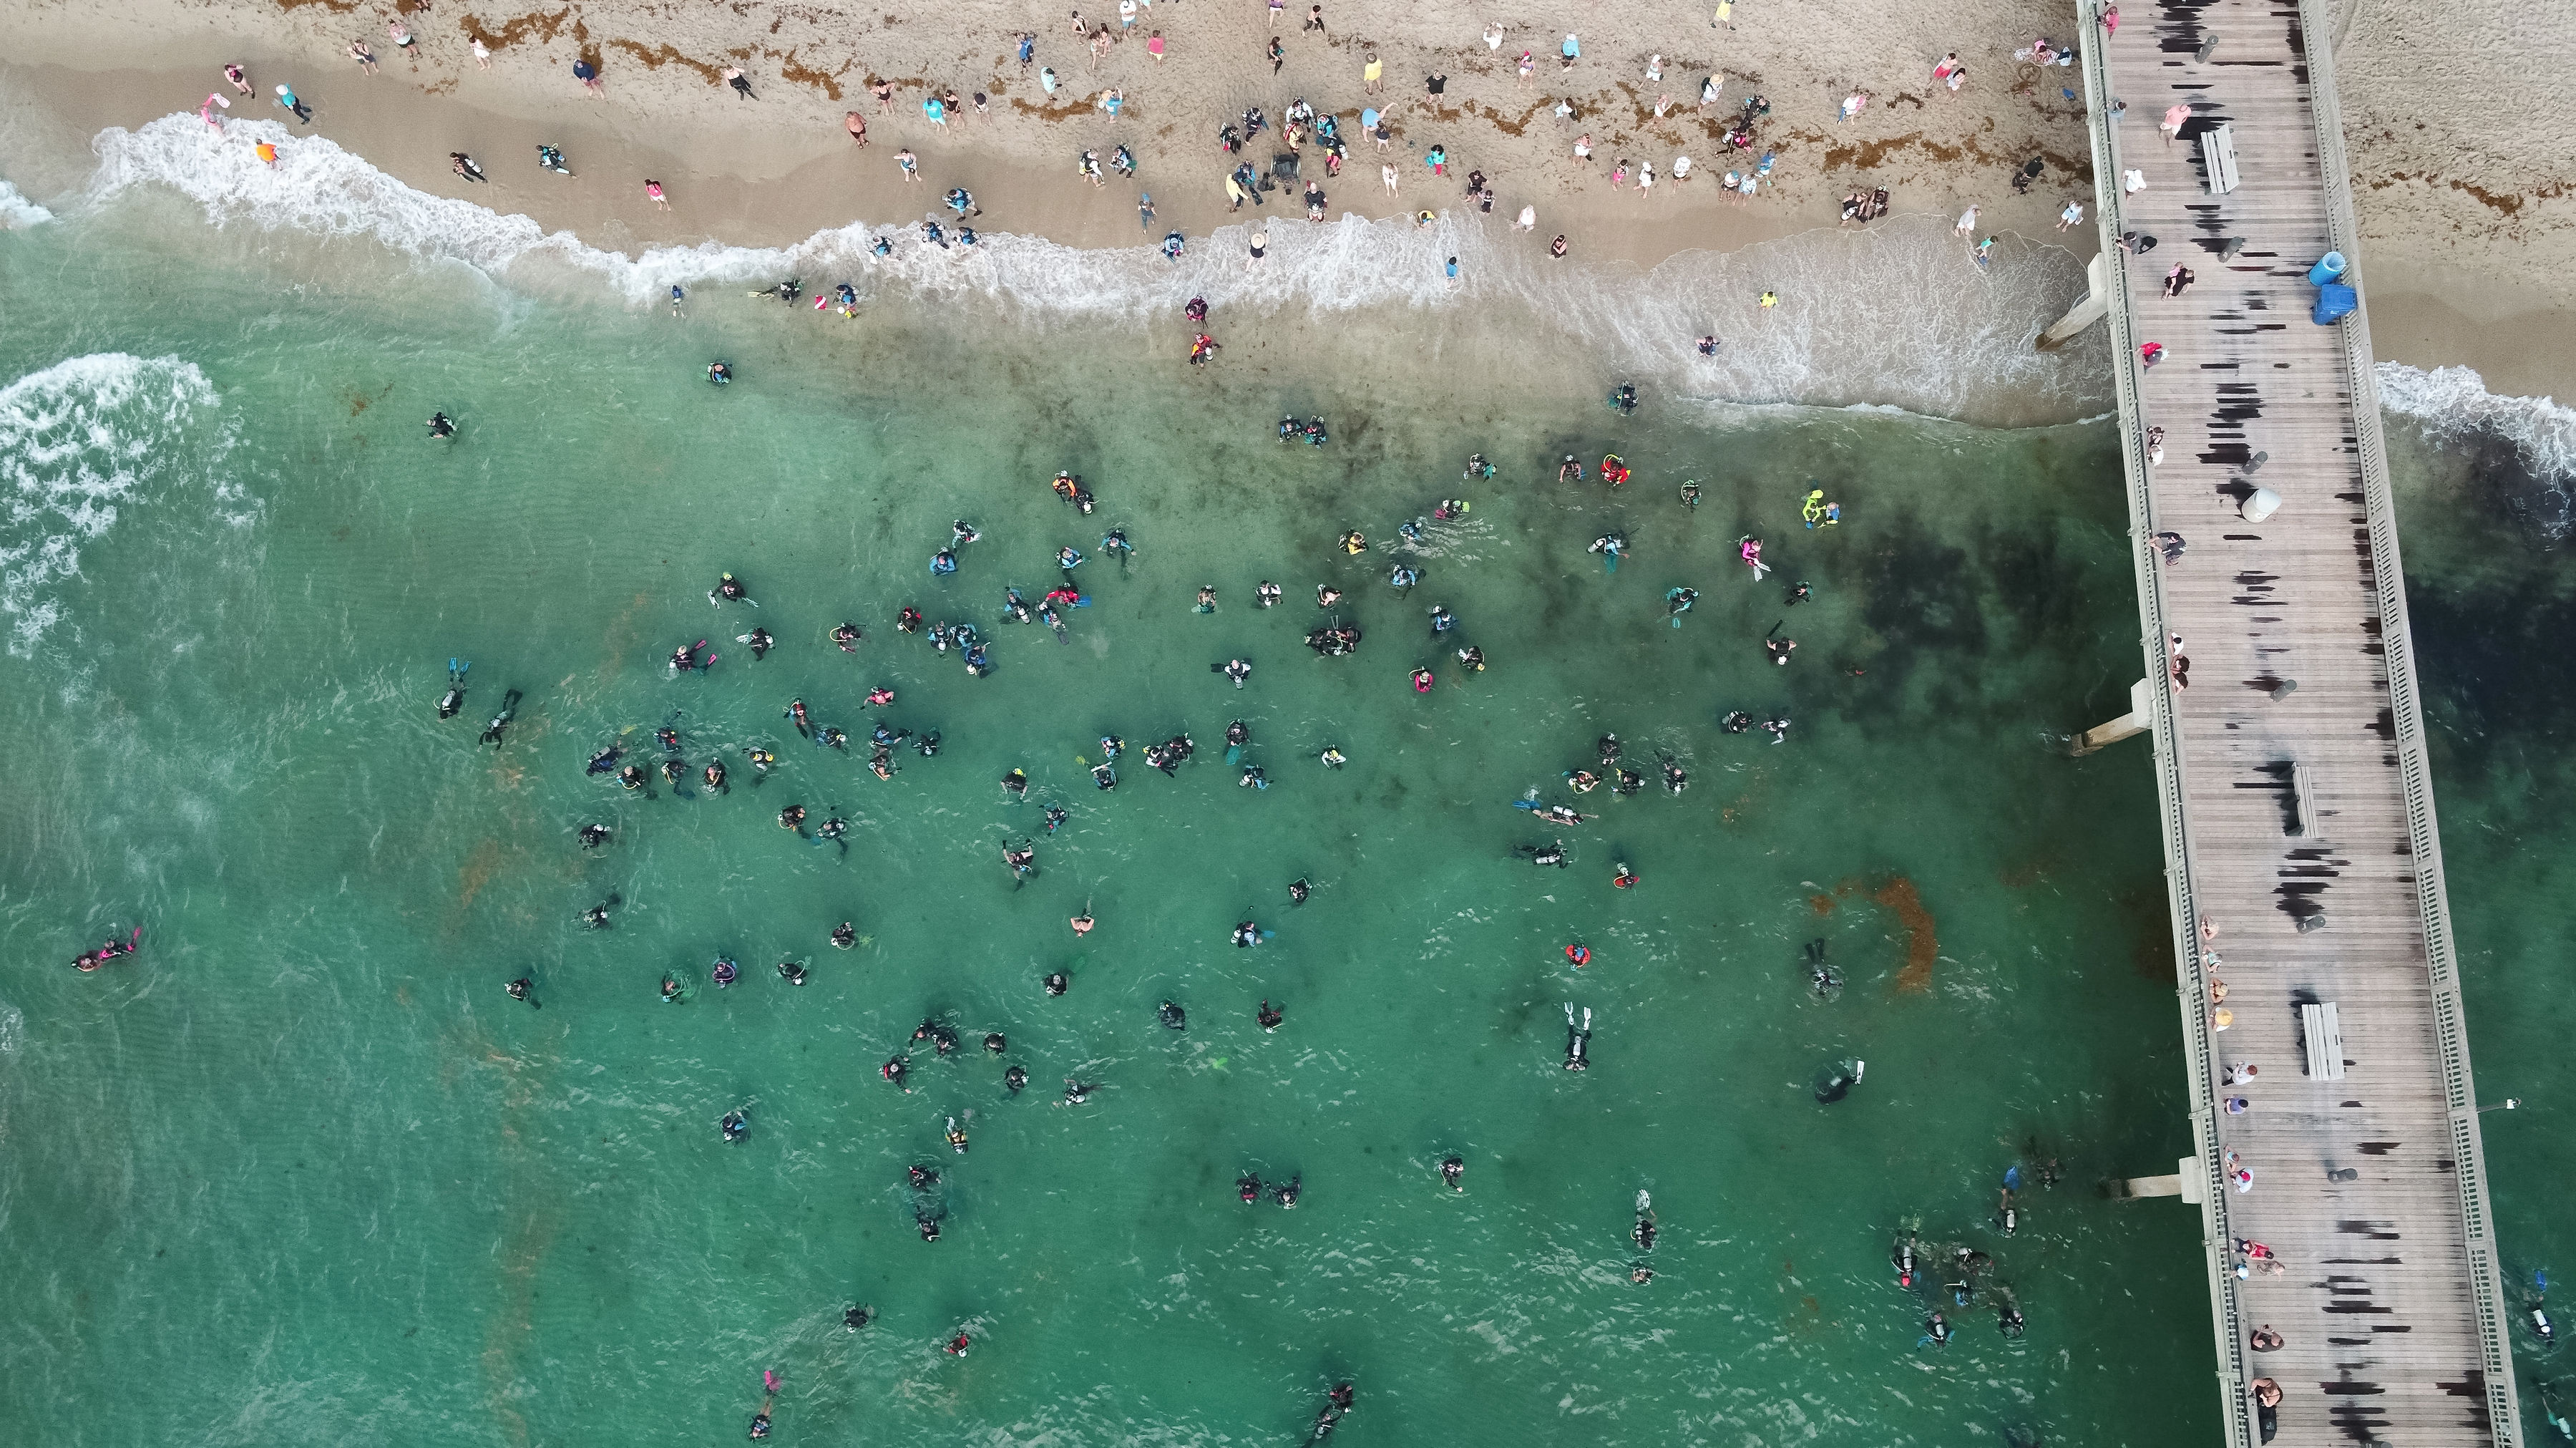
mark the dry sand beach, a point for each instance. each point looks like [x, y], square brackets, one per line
[2459, 138]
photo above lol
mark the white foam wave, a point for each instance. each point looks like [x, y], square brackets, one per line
[1896, 315]
[81, 441]
[2453, 402]
[17, 213]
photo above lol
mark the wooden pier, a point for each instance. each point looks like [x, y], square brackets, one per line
[2301, 847]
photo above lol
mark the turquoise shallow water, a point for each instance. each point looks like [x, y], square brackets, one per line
[301, 1172]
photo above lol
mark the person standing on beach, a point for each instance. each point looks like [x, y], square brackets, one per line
[653, 189]
[588, 75]
[295, 105]
[239, 78]
[857, 125]
[910, 163]
[482, 53]
[364, 57]
[1370, 73]
[1260, 244]
[732, 75]
[1967, 227]
[1145, 209]
[1154, 46]
[2073, 213]
[1278, 55]
[1387, 172]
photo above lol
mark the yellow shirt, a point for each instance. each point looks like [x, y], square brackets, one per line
[1374, 70]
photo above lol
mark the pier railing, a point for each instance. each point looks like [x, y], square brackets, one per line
[2192, 975]
[2432, 895]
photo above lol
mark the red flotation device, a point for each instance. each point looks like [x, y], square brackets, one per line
[1580, 954]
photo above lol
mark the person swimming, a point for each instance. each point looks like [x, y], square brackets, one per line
[1014, 1079]
[1298, 890]
[735, 1126]
[1247, 934]
[1286, 1194]
[1267, 1016]
[1578, 1039]
[441, 425]
[518, 990]
[894, 1070]
[1078, 1092]
[845, 935]
[791, 972]
[1247, 1187]
[720, 373]
[1172, 1016]
[856, 1317]
[1453, 1172]
[1552, 853]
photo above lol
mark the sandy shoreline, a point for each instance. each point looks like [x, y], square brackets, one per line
[779, 168]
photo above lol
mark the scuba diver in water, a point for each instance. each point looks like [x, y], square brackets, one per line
[1643, 1233]
[1268, 1017]
[729, 589]
[1078, 1092]
[593, 836]
[845, 935]
[735, 1126]
[1838, 1082]
[1552, 853]
[1286, 1194]
[1578, 1039]
[720, 373]
[441, 425]
[759, 640]
[1453, 1172]
[500, 722]
[596, 917]
[1248, 934]
[1055, 817]
[846, 635]
[1902, 1255]
[520, 990]
[2008, 1319]
[1172, 1016]
[1623, 398]
[1820, 976]
[454, 698]
[1298, 890]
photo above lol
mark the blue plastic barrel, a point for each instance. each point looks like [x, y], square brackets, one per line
[2326, 270]
[2335, 301]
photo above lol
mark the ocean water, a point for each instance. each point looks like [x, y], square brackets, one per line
[300, 1171]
